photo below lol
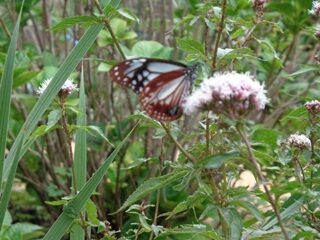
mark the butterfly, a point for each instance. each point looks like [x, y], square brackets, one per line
[162, 85]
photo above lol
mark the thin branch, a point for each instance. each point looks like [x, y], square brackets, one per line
[107, 24]
[257, 167]
[219, 30]
[156, 211]
[207, 133]
[190, 157]
[162, 22]
[5, 28]
[115, 40]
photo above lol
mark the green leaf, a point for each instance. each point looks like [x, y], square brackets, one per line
[80, 164]
[111, 8]
[92, 213]
[5, 93]
[53, 117]
[96, 130]
[42, 130]
[192, 231]
[192, 201]
[147, 119]
[77, 232]
[144, 223]
[265, 136]
[56, 202]
[70, 21]
[28, 231]
[80, 151]
[150, 49]
[191, 46]
[152, 185]
[264, 158]
[217, 160]
[104, 67]
[234, 222]
[227, 55]
[295, 114]
[73, 208]
[306, 68]
[128, 15]
[120, 30]
[24, 77]
[9, 183]
[194, 48]
[250, 207]
[52, 90]
[286, 213]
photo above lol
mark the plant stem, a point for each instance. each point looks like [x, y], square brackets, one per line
[156, 212]
[107, 24]
[207, 133]
[257, 167]
[219, 30]
[166, 128]
[116, 42]
[68, 141]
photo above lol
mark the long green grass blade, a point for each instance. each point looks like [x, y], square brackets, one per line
[5, 92]
[72, 210]
[8, 184]
[80, 155]
[52, 90]
[80, 152]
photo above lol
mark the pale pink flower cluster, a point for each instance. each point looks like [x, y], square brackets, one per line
[67, 88]
[233, 94]
[315, 8]
[313, 106]
[300, 141]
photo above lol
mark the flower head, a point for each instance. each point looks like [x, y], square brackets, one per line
[67, 88]
[300, 141]
[233, 94]
[258, 6]
[313, 106]
[315, 8]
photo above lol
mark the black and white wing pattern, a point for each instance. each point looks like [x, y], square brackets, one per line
[162, 85]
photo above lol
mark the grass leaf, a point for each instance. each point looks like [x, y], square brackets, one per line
[5, 92]
[80, 152]
[52, 90]
[73, 208]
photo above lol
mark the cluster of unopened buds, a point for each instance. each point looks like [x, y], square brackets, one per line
[315, 11]
[299, 141]
[258, 6]
[313, 107]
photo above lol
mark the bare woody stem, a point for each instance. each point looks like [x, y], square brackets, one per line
[156, 210]
[68, 140]
[166, 128]
[219, 31]
[207, 133]
[257, 167]
[107, 24]
[116, 42]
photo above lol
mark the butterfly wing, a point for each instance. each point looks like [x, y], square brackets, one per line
[162, 98]
[162, 85]
[138, 72]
